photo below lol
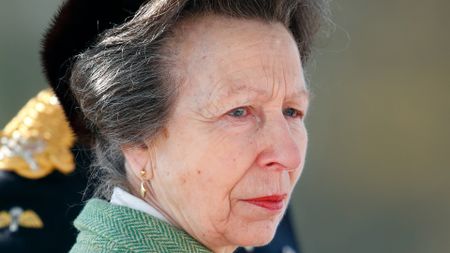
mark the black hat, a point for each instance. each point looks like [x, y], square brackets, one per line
[75, 28]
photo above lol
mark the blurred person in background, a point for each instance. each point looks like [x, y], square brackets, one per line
[42, 175]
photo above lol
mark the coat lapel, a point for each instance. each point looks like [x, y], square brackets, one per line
[134, 230]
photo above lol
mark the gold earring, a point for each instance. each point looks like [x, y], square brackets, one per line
[143, 190]
[144, 179]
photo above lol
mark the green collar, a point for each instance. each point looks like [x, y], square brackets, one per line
[134, 230]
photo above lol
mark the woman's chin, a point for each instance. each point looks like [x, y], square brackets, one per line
[256, 240]
[258, 234]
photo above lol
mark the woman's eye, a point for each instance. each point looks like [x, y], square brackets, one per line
[293, 113]
[238, 112]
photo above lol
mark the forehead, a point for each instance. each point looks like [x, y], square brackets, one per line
[224, 56]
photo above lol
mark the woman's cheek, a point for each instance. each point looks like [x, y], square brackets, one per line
[301, 136]
[244, 152]
[233, 157]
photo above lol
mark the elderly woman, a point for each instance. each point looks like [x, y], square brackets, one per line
[196, 111]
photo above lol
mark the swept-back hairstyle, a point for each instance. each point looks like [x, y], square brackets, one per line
[124, 84]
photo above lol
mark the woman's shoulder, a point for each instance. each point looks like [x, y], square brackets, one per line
[105, 227]
[96, 243]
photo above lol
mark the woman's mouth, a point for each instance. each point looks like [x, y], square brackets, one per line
[272, 202]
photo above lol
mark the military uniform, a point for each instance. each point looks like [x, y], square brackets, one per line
[40, 186]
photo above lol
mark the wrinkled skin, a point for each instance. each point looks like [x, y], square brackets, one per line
[236, 132]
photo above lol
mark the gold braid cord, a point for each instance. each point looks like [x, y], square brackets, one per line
[38, 140]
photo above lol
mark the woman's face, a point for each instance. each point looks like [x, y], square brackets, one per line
[236, 141]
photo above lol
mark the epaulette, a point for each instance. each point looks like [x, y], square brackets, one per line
[38, 139]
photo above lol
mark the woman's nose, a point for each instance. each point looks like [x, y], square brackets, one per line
[279, 147]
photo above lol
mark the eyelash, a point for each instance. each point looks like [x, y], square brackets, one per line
[297, 113]
[231, 113]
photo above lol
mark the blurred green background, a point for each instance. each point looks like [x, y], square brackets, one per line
[377, 177]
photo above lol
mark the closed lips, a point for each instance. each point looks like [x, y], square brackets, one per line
[272, 202]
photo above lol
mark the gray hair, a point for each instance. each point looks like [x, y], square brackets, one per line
[126, 85]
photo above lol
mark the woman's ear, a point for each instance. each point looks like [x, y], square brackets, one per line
[136, 158]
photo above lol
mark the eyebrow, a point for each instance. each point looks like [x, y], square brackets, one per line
[303, 93]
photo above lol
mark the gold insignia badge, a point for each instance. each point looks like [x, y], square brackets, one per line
[18, 217]
[38, 140]
[30, 219]
[5, 219]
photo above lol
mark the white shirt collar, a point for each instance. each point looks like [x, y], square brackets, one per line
[122, 198]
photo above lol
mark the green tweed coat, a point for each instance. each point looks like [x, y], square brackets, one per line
[106, 228]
